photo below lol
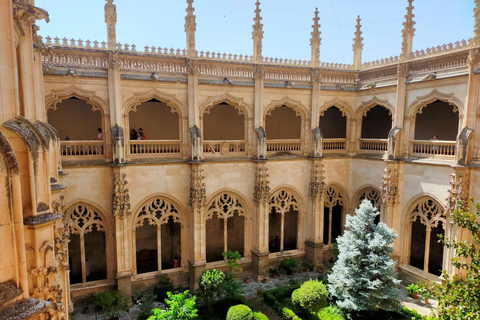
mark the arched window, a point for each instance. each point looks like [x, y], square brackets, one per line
[427, 221]
[373, 196]
[225, 226]
[332, 215]
[157, 236]
[333, 123]
[437, 119]
[87, 246]
[283, 126]
[283, 221]
[376, 123]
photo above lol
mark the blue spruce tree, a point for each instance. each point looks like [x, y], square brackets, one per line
[364, 276]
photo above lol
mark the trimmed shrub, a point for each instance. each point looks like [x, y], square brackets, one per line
[240, 312]
[331, 313]
[289, 315]
[289, 265]
[112, 302]
[312, 295]
[257, 315]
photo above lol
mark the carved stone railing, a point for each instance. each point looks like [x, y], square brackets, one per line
[285, 145]
[458, 45]
[82, 149]
[223, 148]
[154, 148]
[437, 148]
[374, 145]
[334, 145]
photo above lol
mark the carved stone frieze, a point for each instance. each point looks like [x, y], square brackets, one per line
[459, 190]
[61, 233]
[317, 183]
[389, 187]
[261, 190]
[120, 196]
[197, 189]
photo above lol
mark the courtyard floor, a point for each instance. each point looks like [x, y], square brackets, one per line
[252, 291]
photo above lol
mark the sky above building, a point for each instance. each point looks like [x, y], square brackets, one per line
[226, 25]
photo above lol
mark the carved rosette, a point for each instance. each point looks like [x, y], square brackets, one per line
[197, 189]
[120, 196]
[459, 185]
[61, 233]
[389, 187]
[317, 184]
[261, 190]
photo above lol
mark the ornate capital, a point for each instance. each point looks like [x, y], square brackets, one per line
[259, 72]
[316, 75]
[120, 196]
[197, 189]
[113, 61]
[192, 66]
[473, 57]
[261, 190]
[402, 70]
[389, 190]
[317, 184]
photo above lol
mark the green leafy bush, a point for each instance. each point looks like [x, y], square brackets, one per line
[164, 285]
[179, 307]
[289, 265]
[240, 312]
[312, 295]
[412, 314]
[211, 282]
[232, 258]
[289, 314]
[331, 313]
[413, 288]
[257, 315]
[146, 305]
[112, 302]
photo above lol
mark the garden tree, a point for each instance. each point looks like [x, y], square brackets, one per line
[364, 276]
[312, 295]
[112, 302]
[240, 312]
[459, 296]
[179, 307]
[232, 260]
[210, 282]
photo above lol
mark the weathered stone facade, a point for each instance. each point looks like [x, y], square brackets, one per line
[246, 153]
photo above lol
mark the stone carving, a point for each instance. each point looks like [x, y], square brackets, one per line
[257, 33]
[111, 20]
[197, 144]
[259, 72]
[371, 195]
[316, 75]
[283, 202]
[113, 61]
[317, 183]
[459, 190]
[315, 40]
[429, 213]
[408, 32]
[8, 154]
[389, 187]
[333, 197]
[393, 140]
[197, 189]
[473, 57]
[120, 196]
[261, 190]
[82, 219]
[261, 143]
[225, 206]
[462, 146]
[192, 67]
[157, 212]
[317, 143]
[28, 12]
[61, 233]
[402, 70]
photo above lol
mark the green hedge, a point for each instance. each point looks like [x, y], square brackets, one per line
[289, 314]
[259, 316]
[240, 312]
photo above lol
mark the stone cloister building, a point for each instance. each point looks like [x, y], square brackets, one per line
[262, 155]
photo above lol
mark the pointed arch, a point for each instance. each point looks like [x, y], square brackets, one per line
[58, 95]
[340, 104]
[238, 103]
[299, 108]
[368, 192]
[334, 211]
[374, 101]
[80, 211]
[225, 203]
[176, 106]
[335, 194]
[422, 101]
[293, 192]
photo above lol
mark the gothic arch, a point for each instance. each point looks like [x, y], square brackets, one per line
[105, 219]
[176, 106]
[168, 201]
[340, 104]
[369, 192]
[335, 194]
[233, 202]
[375, 101]
[57, 96]
[238, 103]
[415, 200]
[422, 101]
[299, 108]
[82, 217]
[293, 192]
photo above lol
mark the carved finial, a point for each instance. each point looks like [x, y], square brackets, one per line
[111, 20]
[315, 40]
[408, 32]
[476, 27]
[257, 34]
[357, 45]
[190, 28]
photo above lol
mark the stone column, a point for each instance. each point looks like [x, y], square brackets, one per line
[314, 244]
[398, 137]
[121, 212]
[197, 260]
[114, 136]
[261, 198]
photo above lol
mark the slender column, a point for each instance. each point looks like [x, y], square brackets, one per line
[315, 42]
[399, 146]
[357, 46]
[314, 244]
[259, 73]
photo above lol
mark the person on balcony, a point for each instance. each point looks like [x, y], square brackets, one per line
[434, 147]
[142, 134]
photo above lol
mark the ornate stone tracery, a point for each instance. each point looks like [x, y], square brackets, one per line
[157, 212]
[225, 206]
[429, 212]
[333, 197]
[389, 187]
[197, 189]
[120, 196]
[317, 184]
[61, 233]
[82, 218]
[283, 201]
[372, 195]
[261, 191]
[459, 185]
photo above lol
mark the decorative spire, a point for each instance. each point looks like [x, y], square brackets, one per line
[357, 46]
[476, 28]
[315, 40]
[408, 32]
[111, 20]
[190, 28]
[257, 34]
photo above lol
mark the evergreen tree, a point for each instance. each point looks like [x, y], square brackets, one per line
[364, 276]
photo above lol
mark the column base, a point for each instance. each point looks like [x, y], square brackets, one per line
[260, 264]
[195, 271]
[124, 284]
[314, 253]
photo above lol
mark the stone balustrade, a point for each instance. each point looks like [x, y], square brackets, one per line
[334, 145]
[82, 149]
[284, 145]
[436, 148]
[374, 145]
[223, 148]
[154, 147]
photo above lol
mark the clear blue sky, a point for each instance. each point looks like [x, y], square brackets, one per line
[226, 25]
